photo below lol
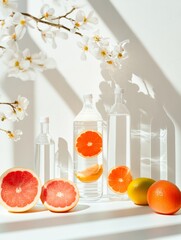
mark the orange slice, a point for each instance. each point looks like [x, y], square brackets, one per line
[119, 178]
[90, 174]
[89, 144]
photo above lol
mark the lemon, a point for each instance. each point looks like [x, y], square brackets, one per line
[137, 190]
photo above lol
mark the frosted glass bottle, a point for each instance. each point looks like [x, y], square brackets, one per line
[118, 145]
[45, 153]
[88, 120]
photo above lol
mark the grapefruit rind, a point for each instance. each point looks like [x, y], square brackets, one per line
[164, 197]
[80, 149]
[28, 206]
[123, 184]
[46, 203]
[90, 174]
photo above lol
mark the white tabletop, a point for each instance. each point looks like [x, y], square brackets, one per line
[101, 220]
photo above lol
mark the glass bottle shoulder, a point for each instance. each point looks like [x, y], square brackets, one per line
[119, 109]
[44, 138]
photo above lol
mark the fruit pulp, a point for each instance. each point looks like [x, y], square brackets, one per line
[118, 145]
[92, 190]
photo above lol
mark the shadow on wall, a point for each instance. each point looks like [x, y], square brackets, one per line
[153, 132]
[147, 113]
[25, 157]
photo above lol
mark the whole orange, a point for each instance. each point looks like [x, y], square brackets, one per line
[164, 197]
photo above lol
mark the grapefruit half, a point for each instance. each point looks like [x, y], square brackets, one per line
[20, 189]
[59, 195]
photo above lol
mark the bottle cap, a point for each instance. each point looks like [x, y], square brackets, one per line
[44, 119]
[118, 89]
[88, 97]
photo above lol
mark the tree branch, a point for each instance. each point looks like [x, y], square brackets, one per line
[56, 25]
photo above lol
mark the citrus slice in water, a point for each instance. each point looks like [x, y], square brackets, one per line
[59, 195]
[90, 174]
[20, 189]
[89, 144]
[119, 178]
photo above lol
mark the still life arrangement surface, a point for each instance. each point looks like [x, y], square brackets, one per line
[21, 189]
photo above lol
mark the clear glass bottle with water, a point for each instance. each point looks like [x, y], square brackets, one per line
[118, 137]
[45, 152]
[88, 127]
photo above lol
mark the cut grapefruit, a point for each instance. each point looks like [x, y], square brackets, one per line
[89, 144]
[90, 174]
[119, 178]
[20, 189]
[59, 195]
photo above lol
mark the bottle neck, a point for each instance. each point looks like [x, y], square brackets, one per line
[88, 104]
[119, 98]
[44, 127]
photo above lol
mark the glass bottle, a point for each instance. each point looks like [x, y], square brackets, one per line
[88, 127]
[45, 152]
[159, 149]
[118, 139]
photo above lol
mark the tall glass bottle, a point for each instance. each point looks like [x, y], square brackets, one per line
[45, 152]
[88, 157]
[118, 145]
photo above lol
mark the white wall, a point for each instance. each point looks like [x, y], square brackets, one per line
[153, 27]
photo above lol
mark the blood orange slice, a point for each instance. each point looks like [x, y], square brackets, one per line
[119, 178]
[20, 189]
[89, 143]
[90, 174]
[59, 195]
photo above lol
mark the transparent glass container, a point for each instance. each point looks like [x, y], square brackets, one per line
[44, 153]
[87, 120]
[118, 137]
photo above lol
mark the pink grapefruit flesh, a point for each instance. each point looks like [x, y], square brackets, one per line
[20, 189]
[59, 195]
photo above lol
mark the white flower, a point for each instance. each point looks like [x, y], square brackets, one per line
[19, 67]
[16, 135]
[3, 116]
[47, 12]
[2, 25]
[21, 24]
[109, 64]
[26, 65]
[97, 40]
[82, 21]
[7, 7]
[84, 45]
[89, 19]
[102, 53]
[17, 63]
[22, 104]
[38, 61]
[50, 34]
[119, 52]
[10, 37]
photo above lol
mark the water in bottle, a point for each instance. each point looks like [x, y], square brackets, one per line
[45, 153]
[118, 145]
[88, 157]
